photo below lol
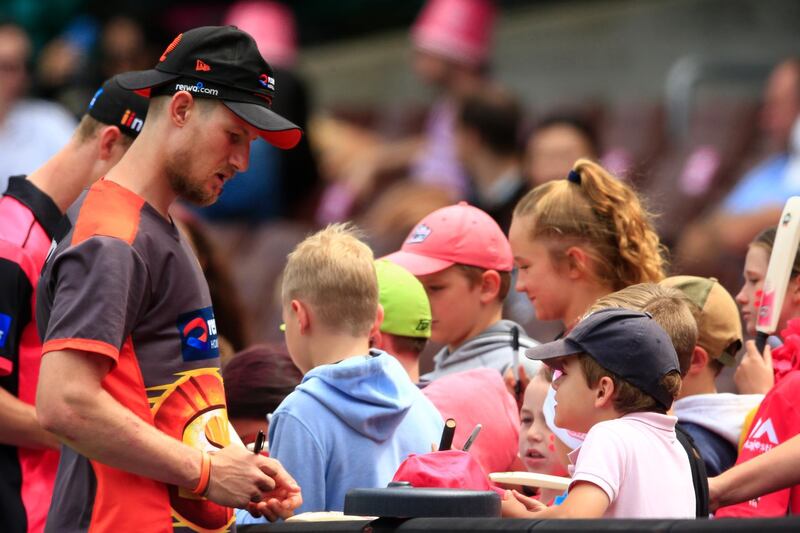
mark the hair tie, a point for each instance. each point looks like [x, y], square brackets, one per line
[574, 176]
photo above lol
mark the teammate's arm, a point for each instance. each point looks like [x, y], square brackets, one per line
[18, 423]
[72, 403]
[766, 473]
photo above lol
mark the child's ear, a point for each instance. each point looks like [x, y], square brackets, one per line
[794, 290]
[577, 262]
[604, 391]
[376, 340]
[375, 330]
[490, 286]
[699, 360]
[302, 315]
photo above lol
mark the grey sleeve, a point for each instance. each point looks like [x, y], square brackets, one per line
[100, 288]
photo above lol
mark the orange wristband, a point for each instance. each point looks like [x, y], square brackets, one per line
[205, 476]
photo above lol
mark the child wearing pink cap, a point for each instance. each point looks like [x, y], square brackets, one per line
[464, 261]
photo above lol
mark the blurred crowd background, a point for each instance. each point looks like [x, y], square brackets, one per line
[411, 105]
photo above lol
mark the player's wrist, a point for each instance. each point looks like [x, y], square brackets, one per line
[200, 480]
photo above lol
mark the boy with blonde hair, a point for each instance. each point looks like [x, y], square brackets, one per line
[618, 378]
[356, 415]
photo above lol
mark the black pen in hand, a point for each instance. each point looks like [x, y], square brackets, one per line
[259, 444]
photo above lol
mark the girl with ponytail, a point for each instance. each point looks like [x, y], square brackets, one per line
[577, 239]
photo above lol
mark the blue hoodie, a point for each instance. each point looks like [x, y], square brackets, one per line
[350, 425]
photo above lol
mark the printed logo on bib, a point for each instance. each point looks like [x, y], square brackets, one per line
[5, 328]
[198, 331]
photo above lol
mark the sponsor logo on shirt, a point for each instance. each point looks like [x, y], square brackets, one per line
[755, 441]
[5, 327]
[764, 427]
[198, 331]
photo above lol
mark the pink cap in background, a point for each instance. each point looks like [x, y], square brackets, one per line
[456, 234]
[272, 26]
[457, 29]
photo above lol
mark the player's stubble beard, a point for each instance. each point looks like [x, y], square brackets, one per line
[177, 167]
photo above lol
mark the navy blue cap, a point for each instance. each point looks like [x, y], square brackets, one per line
[628, 343]
[115, 106]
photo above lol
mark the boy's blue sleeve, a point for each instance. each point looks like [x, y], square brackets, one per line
[297, 449]
[291, 443]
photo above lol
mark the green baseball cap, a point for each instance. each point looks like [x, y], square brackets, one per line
[406, 309]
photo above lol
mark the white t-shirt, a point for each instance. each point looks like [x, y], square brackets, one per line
[32, 132]
[639, 463]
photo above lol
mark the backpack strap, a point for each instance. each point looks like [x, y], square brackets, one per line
[699, 474]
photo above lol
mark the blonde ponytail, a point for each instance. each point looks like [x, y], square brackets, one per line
[596, 211]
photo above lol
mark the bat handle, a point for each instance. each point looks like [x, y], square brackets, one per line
[761, 341]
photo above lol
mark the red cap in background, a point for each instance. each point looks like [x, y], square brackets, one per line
[456, 234]
[457, 29]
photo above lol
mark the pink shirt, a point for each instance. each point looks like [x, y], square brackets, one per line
[479, 396]
[640, 465]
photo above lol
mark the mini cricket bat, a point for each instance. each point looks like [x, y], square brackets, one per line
[778, 272]
[531, 479]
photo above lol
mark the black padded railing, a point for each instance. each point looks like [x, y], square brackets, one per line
[448, 525]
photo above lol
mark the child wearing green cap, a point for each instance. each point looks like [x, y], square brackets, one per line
[406, 325]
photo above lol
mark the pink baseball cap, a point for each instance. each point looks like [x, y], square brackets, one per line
[457, 234]
[457, 29]
[271, 24]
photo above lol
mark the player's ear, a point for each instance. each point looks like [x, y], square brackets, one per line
[108, 137]
[180, 107]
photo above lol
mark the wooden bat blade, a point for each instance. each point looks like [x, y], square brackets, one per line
[531, 479]
[780, 267]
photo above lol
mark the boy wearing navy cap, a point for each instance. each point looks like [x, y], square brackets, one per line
[618, 376]
[31, 217]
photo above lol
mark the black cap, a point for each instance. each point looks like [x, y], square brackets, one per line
[628, 343]
[220, 62]
[115, 106]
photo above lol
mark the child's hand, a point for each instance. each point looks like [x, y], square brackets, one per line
[754, 375]
[515, 505]
[529, 503]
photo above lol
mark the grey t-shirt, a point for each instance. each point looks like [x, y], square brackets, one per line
[124, 285]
